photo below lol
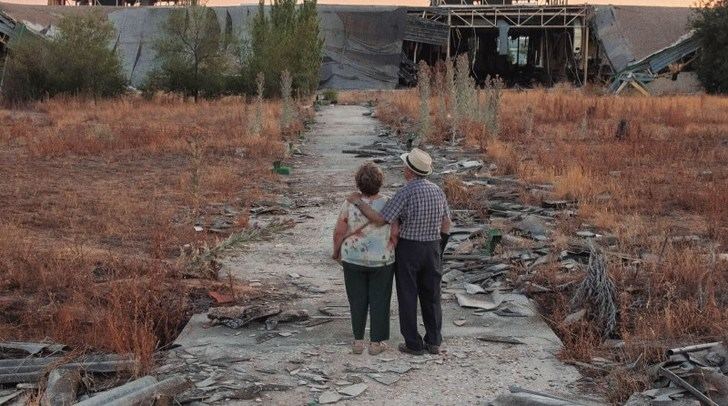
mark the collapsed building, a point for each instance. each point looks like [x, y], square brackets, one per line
[544, 42]
[524, 42]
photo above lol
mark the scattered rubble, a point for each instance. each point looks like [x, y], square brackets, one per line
[354, 390]
[67, 378]
[521, 397]
[694, 374]
[239, 316]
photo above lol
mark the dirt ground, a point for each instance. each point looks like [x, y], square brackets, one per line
[298, 264]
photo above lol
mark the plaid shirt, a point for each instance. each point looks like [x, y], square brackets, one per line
[420, 207]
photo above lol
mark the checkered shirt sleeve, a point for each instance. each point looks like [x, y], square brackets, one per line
[420, 207]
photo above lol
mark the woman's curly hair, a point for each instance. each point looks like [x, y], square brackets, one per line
[369, 179]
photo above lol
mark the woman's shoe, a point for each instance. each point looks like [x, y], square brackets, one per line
[377, 348]
[357, 347]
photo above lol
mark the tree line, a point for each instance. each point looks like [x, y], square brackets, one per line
[195, 57]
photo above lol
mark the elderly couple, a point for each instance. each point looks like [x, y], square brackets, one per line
[377, 237]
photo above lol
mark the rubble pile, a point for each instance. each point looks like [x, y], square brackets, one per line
[63, 378]
[496, 245]
[691, 375]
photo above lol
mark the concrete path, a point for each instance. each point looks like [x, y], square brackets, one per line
[469, 372]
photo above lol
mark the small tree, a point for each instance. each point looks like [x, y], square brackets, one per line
[83, 60]
[287, 38]
[711, 28]
[195, 57]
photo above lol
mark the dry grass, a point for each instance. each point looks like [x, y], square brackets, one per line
[98, 198]
[646, 170]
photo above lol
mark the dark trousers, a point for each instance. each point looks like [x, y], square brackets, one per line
[419, 276]
[369, 289]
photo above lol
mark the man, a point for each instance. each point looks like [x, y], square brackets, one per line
[424, 216]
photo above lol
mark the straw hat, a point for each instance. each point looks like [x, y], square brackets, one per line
[418, 161]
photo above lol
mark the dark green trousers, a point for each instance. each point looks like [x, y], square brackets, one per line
[369, 289]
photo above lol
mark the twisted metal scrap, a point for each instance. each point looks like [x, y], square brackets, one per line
[598, 291]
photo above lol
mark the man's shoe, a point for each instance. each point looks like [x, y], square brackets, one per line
[407, 350]
[433, 349]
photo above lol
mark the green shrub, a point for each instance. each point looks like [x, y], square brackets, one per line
[331, 95]
[79, 60]
[711, 28]
[287, 38]
[82, 58]
[26, 78]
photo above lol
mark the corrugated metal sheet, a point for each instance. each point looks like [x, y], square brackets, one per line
[669, 56]
[649, 68]
[425, 31]
[7, 26]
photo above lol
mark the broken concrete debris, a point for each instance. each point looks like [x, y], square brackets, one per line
[287, 316]
[385, 379]
[485, 302]
[239, 316]
[354, 390]
[329, 397]
[533, 226]
[61, 387]
[500, 339]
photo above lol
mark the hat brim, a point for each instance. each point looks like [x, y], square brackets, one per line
[404, 159]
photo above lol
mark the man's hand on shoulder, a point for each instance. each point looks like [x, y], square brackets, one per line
[354, 197]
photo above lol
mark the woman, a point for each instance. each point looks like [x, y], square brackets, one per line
[366, 252]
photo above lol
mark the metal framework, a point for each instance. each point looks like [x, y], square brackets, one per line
[517, 16]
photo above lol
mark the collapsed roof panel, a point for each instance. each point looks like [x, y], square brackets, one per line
[648, 69]
[632, 33]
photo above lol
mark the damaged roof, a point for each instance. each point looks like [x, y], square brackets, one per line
[632, 33]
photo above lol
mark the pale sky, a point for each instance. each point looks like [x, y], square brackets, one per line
[664, 3]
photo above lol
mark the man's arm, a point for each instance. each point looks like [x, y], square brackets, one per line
[342, 226]
[339, 234]
[389, 213]
[446, 224]
[372, 215]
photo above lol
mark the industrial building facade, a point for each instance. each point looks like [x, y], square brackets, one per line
[526, 43]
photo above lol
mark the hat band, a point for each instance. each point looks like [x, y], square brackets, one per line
[414, 168]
